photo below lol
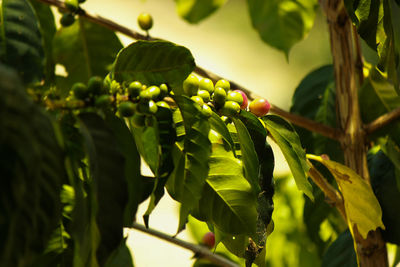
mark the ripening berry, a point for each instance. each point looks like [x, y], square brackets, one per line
[209, 239]
[235, 96]
[259, 107]
[245, 100]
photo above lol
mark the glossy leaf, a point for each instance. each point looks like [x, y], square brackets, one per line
[256, 130]
[48, 29]
[282, 24]
[120, 257]
[134, 182]
[227, 201]
[288, 141]
[249, 156]
[20, 40]
[383, 182]
[197, 150]
[154, 63]
[340, 252]
[361, 206]
[193, 11]
[85, 49]
[109, 185]
[32, 173]
[147, 141]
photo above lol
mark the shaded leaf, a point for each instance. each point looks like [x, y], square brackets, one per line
[20, 40]
[383, 182]
[361, 206]
[120, 257]
[85, 49]
[32, 173]
[340, 252]
[219, 126]
[154, 63]
[288, 141]
[109, 186]
[282, 24]
[193, 11]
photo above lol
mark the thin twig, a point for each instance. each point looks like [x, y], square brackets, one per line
[295, 119]
[382, 121]
[201, 251]
[333, 196]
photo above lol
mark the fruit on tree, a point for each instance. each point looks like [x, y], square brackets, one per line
[219, 96]
[223, 84]
[206, 84]
[72, 5]
[204, 94]
[134, 89]
[67, 19]
[152, 107]
[259, 107]
[245, 102]
[103, 101]
[206, 111]
[191, 85]
[164, 90]
[163, 104]
[126, 109]
[197, 99]
[154, 92]
[80, 91]
[230, 108]
[95, 85]
[209, 239]
[145, 21]
[235, 96]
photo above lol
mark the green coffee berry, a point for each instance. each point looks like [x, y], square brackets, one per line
[191, 85]
[126, 109]
[235, 96]
[103, 101]
[206, 111]
[198, 100]
[230, 108]
[204, 94]
[145, 21]
[72, 5]
[223, 84]
[152, 107]
[95, 85]
[80, 91]
[67, 19]
[163, 104]
[219, 97]
[164, 90]
[206, 84]
[134, 89]
[154, 92]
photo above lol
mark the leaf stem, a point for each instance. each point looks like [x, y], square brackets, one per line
[382, 121]
[295, 119]
[201, 251]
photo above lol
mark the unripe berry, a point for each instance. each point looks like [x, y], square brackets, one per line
[145, 21]
[163, 104]
[219, 97]
[259, 107]
[80, 91]
[164, 90]
[245, 100]
[126, 109]
[230, 108]
[191, 85]
[206, 84]
[67, 19]
[235, 96]
[206, 111]
[103, 101]
[152, 107]
[95, 85]
[154, 92]
[134, 89]
[204, 94]
[209, 239]
[223, 84]
[72, 5]
[198, 100]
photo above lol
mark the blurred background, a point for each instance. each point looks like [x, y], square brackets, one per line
[226, 44]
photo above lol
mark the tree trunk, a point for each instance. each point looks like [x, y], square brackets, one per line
[347, 60]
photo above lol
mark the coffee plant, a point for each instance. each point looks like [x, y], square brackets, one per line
[71, 146]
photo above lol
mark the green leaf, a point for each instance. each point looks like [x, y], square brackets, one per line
[315, 98]
[154, 63]
[134, 181]
[377, 97]
[120, 257]
[288, 141]
[361, 206]
[227, 201]
[340, 252]
[193, 11]
[109, 186]
[32, 173]
[147, 142]
[282, 24]
[85, 49]
[197, 150]
[219, 126]
[392, 151]
[48, 30]
[249, 155]
[20, 40]
[383, 182]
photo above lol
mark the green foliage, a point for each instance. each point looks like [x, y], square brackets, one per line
[281, 24]
[341, 252]
[193, 11]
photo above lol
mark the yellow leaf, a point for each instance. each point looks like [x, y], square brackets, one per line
[361, 206]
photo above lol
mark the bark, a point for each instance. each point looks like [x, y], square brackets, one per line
[347, 60]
